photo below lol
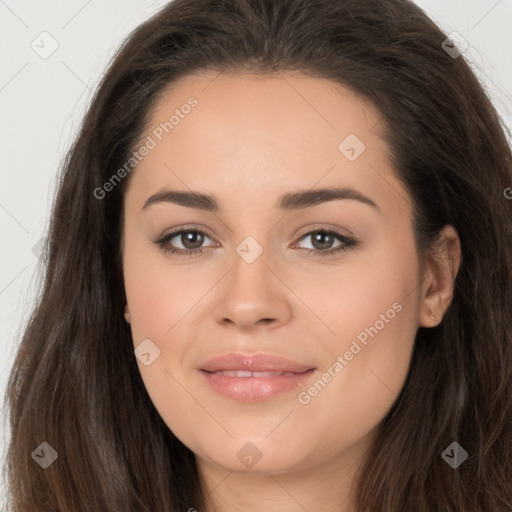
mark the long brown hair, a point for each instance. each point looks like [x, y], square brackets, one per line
[75, 383]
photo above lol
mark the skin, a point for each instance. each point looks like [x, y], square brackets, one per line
[249, 140]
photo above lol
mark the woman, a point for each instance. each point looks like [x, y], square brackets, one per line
[236, 368]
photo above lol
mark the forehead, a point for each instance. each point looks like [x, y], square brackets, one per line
[249, 136]
[285, 103]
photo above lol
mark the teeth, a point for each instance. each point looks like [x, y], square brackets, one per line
[235, 373]
[245, 373]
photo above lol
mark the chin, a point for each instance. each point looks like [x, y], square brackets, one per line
[256, 456]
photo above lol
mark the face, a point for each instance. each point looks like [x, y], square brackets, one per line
[304, 251]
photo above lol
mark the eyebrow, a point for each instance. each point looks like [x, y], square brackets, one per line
[297, 200]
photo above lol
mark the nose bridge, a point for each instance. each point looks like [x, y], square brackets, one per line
[250, 275]
[252, 292]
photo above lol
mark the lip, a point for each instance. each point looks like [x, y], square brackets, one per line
[270, 375]
[254, 363]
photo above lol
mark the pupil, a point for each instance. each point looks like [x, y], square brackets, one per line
[193, 237]
[321, 236]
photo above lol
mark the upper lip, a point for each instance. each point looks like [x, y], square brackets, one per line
[254, 363]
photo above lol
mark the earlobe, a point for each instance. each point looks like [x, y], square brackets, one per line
[427, 317]
[438, 287]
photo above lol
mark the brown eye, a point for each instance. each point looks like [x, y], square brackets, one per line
[323, 242]
[191, 241]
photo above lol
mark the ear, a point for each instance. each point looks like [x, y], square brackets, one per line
[127, 314]
[438, 281]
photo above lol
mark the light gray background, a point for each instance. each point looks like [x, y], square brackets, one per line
[42, 102]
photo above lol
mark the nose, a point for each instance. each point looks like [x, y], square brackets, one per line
[253, 295]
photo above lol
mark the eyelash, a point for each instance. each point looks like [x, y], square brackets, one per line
[163, 243]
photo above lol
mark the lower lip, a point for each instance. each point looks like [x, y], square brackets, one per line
[254, 389]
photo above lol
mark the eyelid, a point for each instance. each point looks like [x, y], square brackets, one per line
[186, 227]
[179, 229]
[324, 227]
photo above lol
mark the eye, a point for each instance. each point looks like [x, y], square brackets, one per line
[193, 239]
[323, 242]
[190, 239]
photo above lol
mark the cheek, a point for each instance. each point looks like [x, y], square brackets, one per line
[374, 318]
[159, 298]
[160, 294]
[370, 304]
[372, 297]
[362, 380]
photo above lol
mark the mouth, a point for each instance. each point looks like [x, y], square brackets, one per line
[254, 378]
[259, 375]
